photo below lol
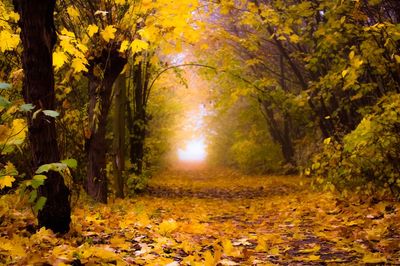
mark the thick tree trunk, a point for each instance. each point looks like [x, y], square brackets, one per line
[119, 135]
[38, 38]
[110, 63]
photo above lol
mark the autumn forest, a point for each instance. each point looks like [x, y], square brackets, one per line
[199, 132]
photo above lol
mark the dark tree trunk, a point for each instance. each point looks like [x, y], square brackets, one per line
[138, 120]
[137, 142]
[110, 63]
[38, 38]
[280, 134]
[119, 135]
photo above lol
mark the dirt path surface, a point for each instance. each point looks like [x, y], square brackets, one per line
[213, 217]
[262, 220]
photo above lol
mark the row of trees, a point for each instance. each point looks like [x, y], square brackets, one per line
[317, 70]
[315, 80]
[80, 57]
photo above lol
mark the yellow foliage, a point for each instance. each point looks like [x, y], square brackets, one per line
[199, 231]
[14, 135]
[92, 29]
[78, 65]
[59, 59]
[120, 2]
[8, 40]
[229, 249]
[6, 181]
[11, 247]
[72, 12]
[124, 46]
[167, 227]
[108, 33]
[138, 46]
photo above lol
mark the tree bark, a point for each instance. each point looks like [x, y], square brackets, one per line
[103, 72]
[38, 37]
[137, 121]
[280, 133]
[119, 135]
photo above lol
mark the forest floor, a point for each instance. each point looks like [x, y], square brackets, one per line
[212, 217]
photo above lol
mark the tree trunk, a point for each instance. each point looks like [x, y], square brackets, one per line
[103, 72]
[119, 135]
[280, 134]
[137, 121]
[137, 141]
[38, 38]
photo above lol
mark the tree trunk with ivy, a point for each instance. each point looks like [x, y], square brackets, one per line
[137, 121]
[103, 72]
[119, 134]
[38, 37]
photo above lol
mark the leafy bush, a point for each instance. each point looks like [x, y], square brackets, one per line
[253, 157]
[368, 155]
[137, 183]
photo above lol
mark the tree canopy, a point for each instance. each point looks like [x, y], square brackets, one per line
[100, 98]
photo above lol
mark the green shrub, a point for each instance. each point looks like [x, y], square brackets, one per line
[369, 156]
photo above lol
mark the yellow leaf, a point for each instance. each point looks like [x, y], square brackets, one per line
[229, 249]
[261, 246]
[13, 16]
[397, 57]
[124, 46]
[12, 247]
[72, 12]
[138, 46]
[274, 251]
[59, 59]
[108, 33]
[104, 253]
[294, 38]
[120, 2]
[17, 134]
[6, 181]
[92, 29]
[67, 33]
[10, 168]
[9, 41]
[67, 45]
[78, 65]
[82, 47]
[312, 258]
[374, 258]
[209, 259]
[327, 141]
[311, 250]
[167, 227]
[119, 242]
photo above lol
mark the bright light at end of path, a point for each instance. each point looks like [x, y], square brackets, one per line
[195, 151]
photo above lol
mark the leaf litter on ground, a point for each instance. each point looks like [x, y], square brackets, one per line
[211, 217]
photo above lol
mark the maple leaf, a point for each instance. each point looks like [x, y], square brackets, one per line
[72, 12]
[92, 29]
[78, 65]
[138, 46]
[124, 46]
[108, 33]
[6, 181]
[167, 227]
[59, 59]
[14, 136]
[9, 41]
[12, 247]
